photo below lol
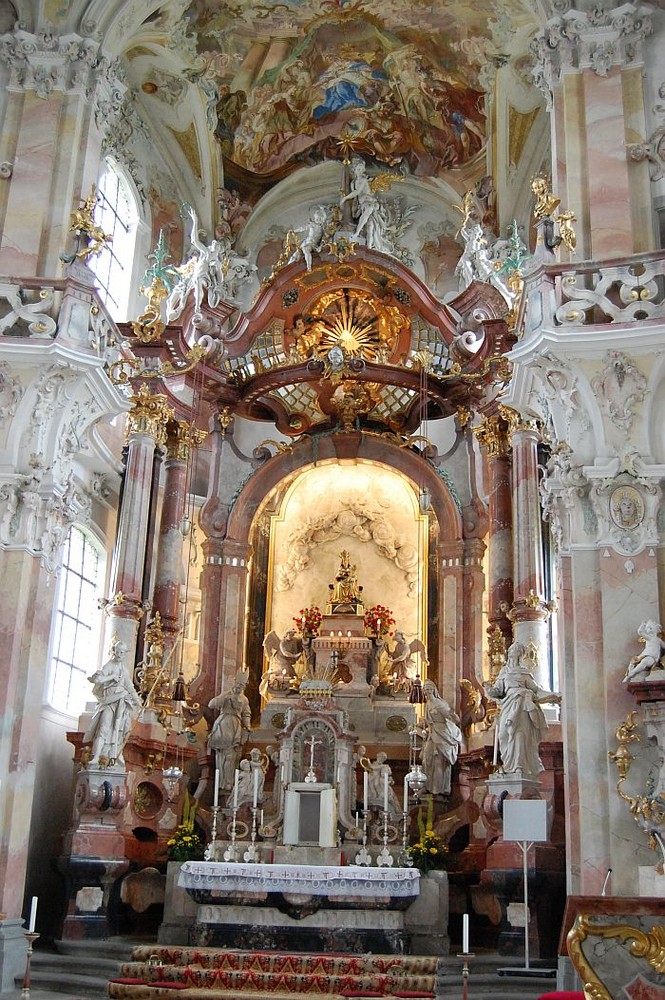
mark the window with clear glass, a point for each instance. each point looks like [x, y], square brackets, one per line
[77, 625]
[117, 215]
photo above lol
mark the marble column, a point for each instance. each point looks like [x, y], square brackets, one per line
[181, 438]
[530, 609]
[590, 67]
[55, 93]
[146, 430]
[251, 66]
[493, 436]
[450, 557]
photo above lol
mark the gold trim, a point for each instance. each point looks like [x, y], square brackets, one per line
[647, 945]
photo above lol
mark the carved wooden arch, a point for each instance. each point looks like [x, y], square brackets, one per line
[339, 446]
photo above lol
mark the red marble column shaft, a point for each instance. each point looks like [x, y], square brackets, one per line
[500, 569]
[168, 571]
[527, 537]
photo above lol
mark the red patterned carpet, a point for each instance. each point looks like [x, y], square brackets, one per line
[156, 972]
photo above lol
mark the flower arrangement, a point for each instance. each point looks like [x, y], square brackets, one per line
[430, 852]
[186, 843]
[379, 619]
[308, 621]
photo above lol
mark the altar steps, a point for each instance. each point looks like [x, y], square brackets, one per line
[216, 974]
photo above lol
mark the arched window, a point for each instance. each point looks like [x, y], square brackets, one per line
[78, 622]
[118, 214]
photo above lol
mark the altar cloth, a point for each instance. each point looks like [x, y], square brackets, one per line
[306, 880]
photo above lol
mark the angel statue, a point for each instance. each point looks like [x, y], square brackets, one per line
[367, 209]
[287, 659]
[313, 236]
[650, 633]
[402, 663]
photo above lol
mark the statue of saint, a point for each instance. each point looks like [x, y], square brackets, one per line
[345, 589]
[442, 740]
[118, 704]
[230, 730]
[376, 785]
[522, 723]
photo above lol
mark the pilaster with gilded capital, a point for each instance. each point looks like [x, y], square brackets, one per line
[494, 435]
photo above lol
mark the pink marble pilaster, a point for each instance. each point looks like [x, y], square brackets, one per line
[474, 586]
[609, 187]
[224, 589]
[27, 594]
[450, 558]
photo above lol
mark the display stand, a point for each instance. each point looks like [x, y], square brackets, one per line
[525, 822]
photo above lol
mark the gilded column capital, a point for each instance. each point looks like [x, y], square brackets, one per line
[181, 437]
[150, 415]
[517, 421]
[493, 434]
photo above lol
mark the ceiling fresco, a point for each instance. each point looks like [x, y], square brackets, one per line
[294, 82]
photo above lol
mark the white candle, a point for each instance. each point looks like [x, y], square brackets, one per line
[33, 915]
[385, 790]
[406, 793]
[215, 799]
[495, 751]
[465, 934]
[235, 788]
[262, 817]
[365, 790]
[255, 800]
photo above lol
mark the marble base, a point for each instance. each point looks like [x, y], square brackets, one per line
[13, 951]
[356, 931]
[179, 910]
[426, 919]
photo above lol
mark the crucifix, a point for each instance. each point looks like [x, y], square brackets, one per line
[311, 743]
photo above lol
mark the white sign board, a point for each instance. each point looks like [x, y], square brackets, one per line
[524, 819]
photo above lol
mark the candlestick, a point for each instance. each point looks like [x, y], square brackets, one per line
[236, 782]
[33, 915]
[32, 937]
[465, 934]
[215, 797]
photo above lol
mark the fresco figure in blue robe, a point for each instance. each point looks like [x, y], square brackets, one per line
[348, 85]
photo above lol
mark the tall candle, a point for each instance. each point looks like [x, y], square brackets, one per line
[465, 934]
[236, 781]
[33, 915]
[385, 790]
[255, 800]
[365, 790]
[215, 799]
[406, 793]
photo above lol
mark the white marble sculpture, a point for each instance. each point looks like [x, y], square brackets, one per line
[443, 737]
[230, 730]
[313, 236]
[381, 786]
[650, 633]
[522, 724]
[216, 271]
[118, 705]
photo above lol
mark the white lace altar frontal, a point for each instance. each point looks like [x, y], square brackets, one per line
[307, 880]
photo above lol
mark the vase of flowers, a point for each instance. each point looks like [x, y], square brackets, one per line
[308, 621]
[430, 852]
[186, 844]
[379, 620]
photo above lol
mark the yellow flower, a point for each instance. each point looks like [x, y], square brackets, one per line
[432, 850]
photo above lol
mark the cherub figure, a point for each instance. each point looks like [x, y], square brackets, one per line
[546, 202]
[314, 233]
[650, 633]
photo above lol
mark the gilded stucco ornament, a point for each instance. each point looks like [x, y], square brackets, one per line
[648, 807]
[150, 415]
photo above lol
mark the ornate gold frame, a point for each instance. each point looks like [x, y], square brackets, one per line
[649, 945]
